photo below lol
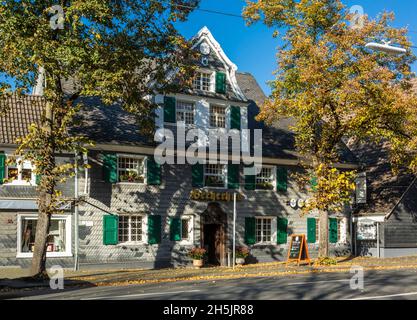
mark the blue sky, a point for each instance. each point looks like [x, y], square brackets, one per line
[253, 49]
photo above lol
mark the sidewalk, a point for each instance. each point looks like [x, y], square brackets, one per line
[141, 276]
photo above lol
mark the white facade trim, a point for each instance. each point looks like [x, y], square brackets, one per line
[205, 35]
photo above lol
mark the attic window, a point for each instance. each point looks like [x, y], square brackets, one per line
[203, 81]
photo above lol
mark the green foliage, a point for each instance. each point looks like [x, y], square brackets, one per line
[121, 51]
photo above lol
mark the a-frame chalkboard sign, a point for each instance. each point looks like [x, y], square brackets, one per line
[298, 249]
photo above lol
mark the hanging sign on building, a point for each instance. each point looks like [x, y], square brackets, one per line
[206, 195]
[366, 230]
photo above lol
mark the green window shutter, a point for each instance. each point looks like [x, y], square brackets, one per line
[169, 109]
[110, 229]
[282, 179]
[282, 224]
[198, 175]
[110, 168]
[250, 182]
[220, 82]
[38, 179]
[234, 118]
[233, 176]
[250, 230]
[153, 172]
[154, 229]
[332, 230]
[2, 167]
[175, 229]
[314, 183]
[311, 230]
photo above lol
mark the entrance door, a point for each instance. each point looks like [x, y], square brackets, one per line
[213, 243]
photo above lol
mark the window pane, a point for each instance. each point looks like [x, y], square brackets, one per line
[131, 169]
[185, 112]
[184, 229]
[12, 174]
[265, 179]
[214, 175]
[217, 116]
[27, 174]
[28, 235]
[56, 240]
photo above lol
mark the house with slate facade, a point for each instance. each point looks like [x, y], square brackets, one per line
[385, 224]
[134, 212]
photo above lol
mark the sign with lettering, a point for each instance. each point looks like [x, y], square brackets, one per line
[298, 249]
[366, 230]
[207, 195]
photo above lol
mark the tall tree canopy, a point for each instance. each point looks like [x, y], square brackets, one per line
[334, 87]
[120, 50]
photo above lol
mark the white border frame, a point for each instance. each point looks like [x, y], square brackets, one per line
[34, 216]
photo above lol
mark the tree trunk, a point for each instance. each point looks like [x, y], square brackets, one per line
[324, 234]
[45, 203]
[38, 268]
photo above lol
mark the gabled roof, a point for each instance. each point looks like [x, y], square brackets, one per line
[384, 188]
[217, 60]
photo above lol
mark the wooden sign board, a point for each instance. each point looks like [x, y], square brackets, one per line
[298, 249]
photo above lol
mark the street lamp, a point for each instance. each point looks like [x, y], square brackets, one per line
[385, 47]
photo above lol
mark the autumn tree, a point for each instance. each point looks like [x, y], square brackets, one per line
[119, 50]
[334, 87]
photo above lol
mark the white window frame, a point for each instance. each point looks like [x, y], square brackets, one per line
[144, 229]
[341, 230]
[317, 230]
[212, 80]
[19, 181]
[274, 178]
[273, 230]
[190, 239]
[34, 216]
[218, 115]
[225, 167]
[143, 158]
[178, 101]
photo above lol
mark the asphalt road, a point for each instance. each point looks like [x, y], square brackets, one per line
[318, 286]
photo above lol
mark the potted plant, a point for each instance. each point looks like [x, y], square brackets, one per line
[241, 254]
[197, 254]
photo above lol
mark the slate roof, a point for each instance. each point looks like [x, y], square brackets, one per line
[384, 188]
[20, 113]
[112, 125]
[278, 139]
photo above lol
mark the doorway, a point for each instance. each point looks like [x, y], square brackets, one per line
[212, 243]
[213, 237]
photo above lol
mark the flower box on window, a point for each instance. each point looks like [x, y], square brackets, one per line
[265, 186]
[131, 177]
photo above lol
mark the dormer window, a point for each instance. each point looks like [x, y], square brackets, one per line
[203, 81]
